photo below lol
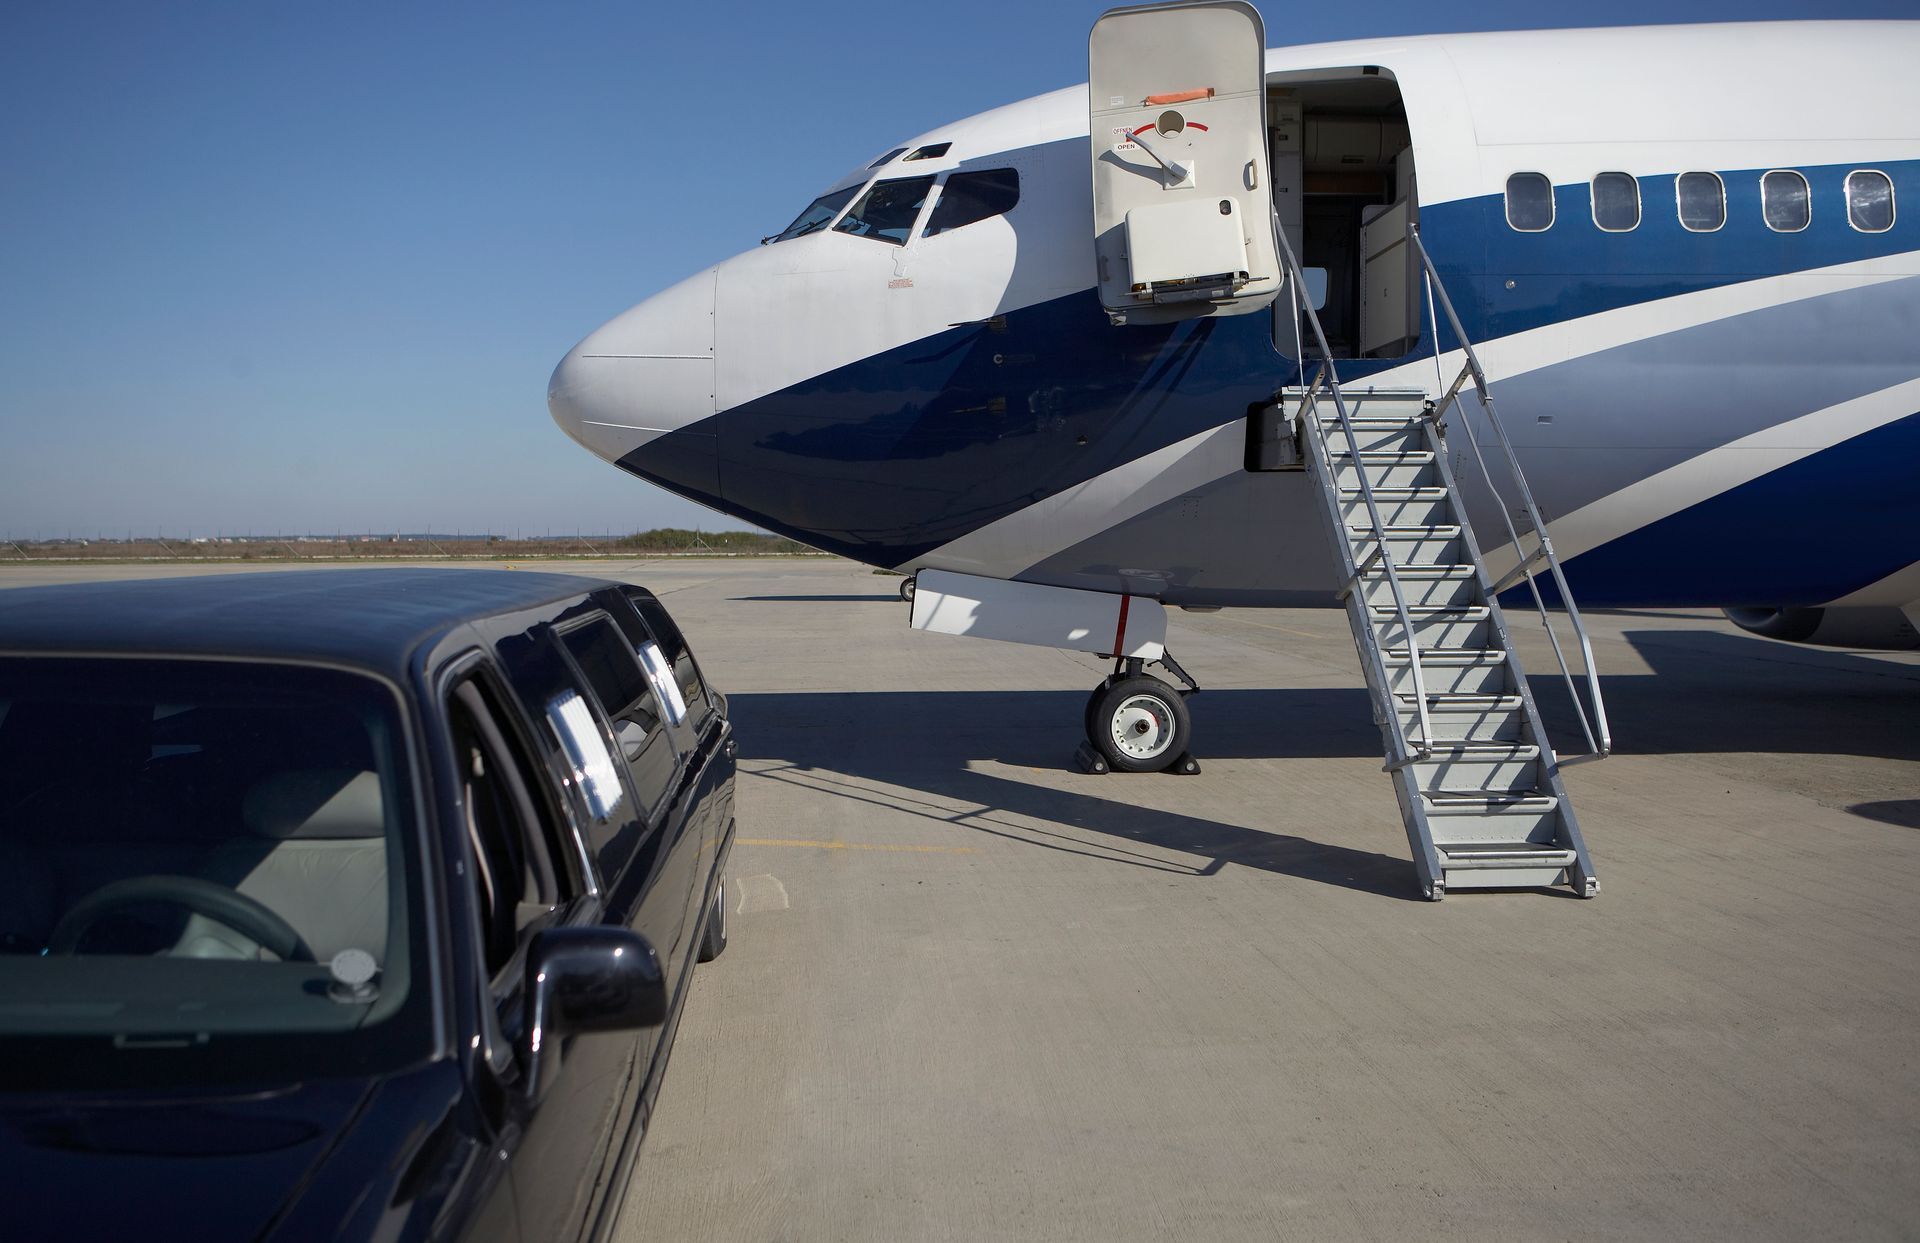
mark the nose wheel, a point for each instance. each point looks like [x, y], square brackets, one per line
[1139, 724]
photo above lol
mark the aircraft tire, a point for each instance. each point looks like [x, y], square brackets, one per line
[906, 589]
[1140, 724]
[1093, 703]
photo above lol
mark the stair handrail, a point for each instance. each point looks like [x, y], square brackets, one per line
[1330, 378]
[1598, 734]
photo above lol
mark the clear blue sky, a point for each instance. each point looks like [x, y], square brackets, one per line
[296, 266]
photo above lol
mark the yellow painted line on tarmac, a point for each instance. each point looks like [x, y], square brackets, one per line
[881, 846]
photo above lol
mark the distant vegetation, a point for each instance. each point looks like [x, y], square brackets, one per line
[665, 542]
[674, 539]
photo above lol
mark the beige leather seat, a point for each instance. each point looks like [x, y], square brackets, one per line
[317, 858]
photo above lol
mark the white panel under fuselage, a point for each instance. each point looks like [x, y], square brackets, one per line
[1080, 621]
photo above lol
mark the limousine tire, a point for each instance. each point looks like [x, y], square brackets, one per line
[713, 939]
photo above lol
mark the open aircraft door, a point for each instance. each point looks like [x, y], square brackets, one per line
[1178, 133]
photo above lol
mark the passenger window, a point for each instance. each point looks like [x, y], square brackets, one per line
[887, 211]
[1786, 201]
[639, 731]
[1703, 201]
[519, 875]
[1529, 202]
[587, 754]
[1616, 202]
[1869, 201]
[817, 216]
[971, 197]
[685, 673]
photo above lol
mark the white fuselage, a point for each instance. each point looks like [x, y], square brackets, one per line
[1712, 416]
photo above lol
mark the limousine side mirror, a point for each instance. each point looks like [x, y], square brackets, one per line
[592, 979]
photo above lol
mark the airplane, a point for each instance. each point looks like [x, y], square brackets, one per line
[1098, 353]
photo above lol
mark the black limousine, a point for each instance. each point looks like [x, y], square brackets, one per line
[345, 904]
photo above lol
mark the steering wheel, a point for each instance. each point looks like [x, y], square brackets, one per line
[217, 902]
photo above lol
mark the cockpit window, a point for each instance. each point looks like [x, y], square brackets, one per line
[886, 212]
[818, 215]
[971, 197]
[888, 156]
[932, 151]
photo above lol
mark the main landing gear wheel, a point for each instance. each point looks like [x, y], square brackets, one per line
[906, 589]
[1139, 724]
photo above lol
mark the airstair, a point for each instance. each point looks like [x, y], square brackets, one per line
[1477, 780]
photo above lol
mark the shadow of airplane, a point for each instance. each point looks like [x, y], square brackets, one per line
[1716, 691]
[1710, 692]
[1904, 812]
[924, 741]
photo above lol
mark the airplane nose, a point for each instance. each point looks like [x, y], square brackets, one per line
[642, 378]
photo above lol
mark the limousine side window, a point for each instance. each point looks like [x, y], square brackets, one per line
[1530, 202]
[520, 873]
[673, 646]
[633, 713]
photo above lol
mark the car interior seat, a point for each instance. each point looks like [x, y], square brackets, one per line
[316, 856]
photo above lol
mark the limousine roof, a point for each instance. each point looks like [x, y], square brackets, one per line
[374, 618]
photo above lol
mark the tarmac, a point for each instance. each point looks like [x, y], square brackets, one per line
[973, 993]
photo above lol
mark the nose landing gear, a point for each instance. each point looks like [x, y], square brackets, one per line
[1137, 723]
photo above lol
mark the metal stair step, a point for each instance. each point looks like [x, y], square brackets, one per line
[1377, 574]
[1396, 655]
[1478, 817]
[1436, 545]
[1480, 768]
[1376, 403]
[1480, 654]
[1450, 677]
[1504, 865]
[1457, 701]
[1398, 506]
[1375, 435]
[1447, 626]
[1339, 451]
[1481, 803]
[1390, 611]
[1422, 492]
[1384, 470]
[1505, 854]
[1475, 718]
[1425, 586]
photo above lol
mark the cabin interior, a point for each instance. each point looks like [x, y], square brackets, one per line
[1341, 155]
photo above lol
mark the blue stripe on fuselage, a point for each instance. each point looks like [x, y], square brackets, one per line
[892, 456]
[1808, 533]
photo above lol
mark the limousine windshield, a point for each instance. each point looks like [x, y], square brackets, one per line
[206, 868]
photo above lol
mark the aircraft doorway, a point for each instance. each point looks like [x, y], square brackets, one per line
[1341, 156]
